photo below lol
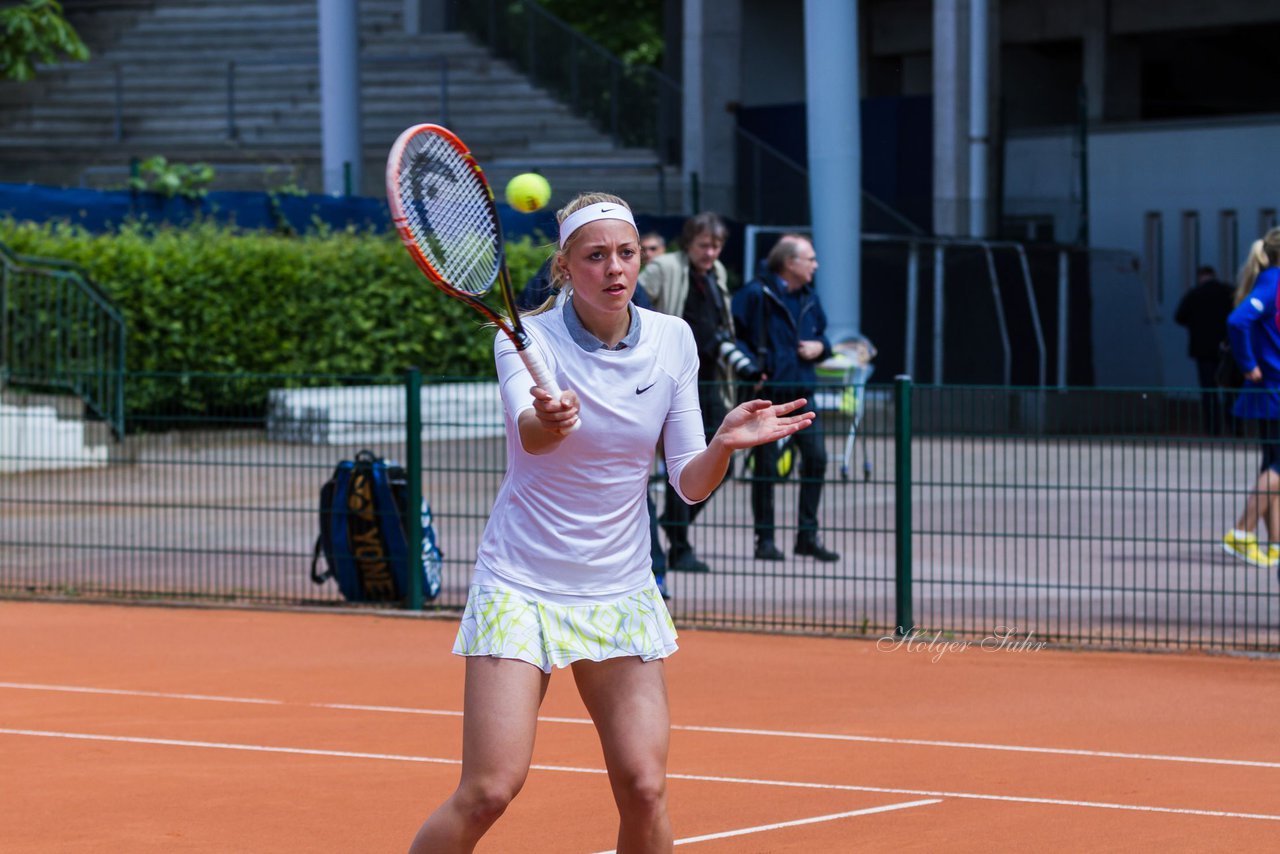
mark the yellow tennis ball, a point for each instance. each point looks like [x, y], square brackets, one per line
[528, 192]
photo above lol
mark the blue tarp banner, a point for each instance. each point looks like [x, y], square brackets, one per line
[104, 210]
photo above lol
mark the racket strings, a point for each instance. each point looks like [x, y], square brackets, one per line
[448, 213]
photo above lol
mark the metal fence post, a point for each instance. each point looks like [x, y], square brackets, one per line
[444, 91]
[413, 470]
[118, 121]
[232, 130]
[905, 620]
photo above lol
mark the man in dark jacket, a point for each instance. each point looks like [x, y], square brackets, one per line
[692, 283]
[1203, 310]
[780, 321]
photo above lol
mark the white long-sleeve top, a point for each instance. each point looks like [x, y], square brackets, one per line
[572, 525]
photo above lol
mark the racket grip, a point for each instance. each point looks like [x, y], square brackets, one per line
[543, 378]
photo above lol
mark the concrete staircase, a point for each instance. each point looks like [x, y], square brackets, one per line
[235, 83]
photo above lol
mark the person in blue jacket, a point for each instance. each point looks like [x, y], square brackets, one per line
[1255, 344]
[779, 320]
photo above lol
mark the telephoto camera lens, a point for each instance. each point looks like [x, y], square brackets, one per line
[742, 364]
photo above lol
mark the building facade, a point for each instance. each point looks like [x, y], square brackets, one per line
[1144, 126]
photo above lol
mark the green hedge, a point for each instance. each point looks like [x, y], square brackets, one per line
[211, 298]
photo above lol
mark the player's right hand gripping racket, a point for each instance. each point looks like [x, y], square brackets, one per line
[444, 210]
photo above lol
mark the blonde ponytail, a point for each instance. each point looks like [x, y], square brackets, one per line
[1263, 253]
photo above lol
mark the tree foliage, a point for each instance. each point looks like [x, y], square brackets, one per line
[32, 32]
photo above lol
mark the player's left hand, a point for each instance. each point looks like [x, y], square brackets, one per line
[758, 421]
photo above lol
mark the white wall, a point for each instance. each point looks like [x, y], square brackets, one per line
[1166, 168]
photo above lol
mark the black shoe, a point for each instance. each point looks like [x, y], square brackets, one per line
[685, 562]
[766, 550]
[812, 547]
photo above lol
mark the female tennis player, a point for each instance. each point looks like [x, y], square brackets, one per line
[562, 575]
[1255, 344]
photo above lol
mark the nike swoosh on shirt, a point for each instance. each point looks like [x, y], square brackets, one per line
[646, 388]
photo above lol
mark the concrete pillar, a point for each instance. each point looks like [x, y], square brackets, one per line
[835, 158]
[965, 49]
[950, 117]
[979, 118]
[712, 38]
[340, 95]
[1096, 28]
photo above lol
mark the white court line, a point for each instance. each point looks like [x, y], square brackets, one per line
[77, 689]
[770, 733]
[702, 778]
[797, 823]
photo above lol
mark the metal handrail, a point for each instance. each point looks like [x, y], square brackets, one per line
[940, 244]
[62, 332]
[997, 299]
[664, 89]
[616, 68]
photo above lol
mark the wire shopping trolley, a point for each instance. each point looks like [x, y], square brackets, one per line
[846, 374]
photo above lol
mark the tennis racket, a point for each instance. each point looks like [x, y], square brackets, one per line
[443, 208]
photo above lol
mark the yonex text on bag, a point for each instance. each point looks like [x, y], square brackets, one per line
[363, 508]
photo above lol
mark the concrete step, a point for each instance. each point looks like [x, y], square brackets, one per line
[176, 138]
[140, 85]
[61, 405]
[463, 95]
[524, 117]
[231, 35]
[34, 438]
[200, 13]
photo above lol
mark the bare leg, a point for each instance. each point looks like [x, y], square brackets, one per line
[499, 717]
[1263, 504]
[1269, 486]
[627, 699]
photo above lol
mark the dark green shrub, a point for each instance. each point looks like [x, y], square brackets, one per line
[213, 299]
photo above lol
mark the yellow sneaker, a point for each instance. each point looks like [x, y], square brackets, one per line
[1246, 548]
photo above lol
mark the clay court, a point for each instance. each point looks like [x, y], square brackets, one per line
[128, 728]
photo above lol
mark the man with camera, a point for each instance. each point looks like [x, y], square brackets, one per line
[780, 321]
[692, 283]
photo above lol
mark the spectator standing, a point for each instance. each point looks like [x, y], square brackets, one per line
[1255, 344]
[1203, 310]
[691, 283]
[781, 322]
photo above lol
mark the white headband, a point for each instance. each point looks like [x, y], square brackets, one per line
[591, 213]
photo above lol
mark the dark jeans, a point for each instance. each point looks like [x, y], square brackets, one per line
[676, 515]
[812, 471]
[1214, 410]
